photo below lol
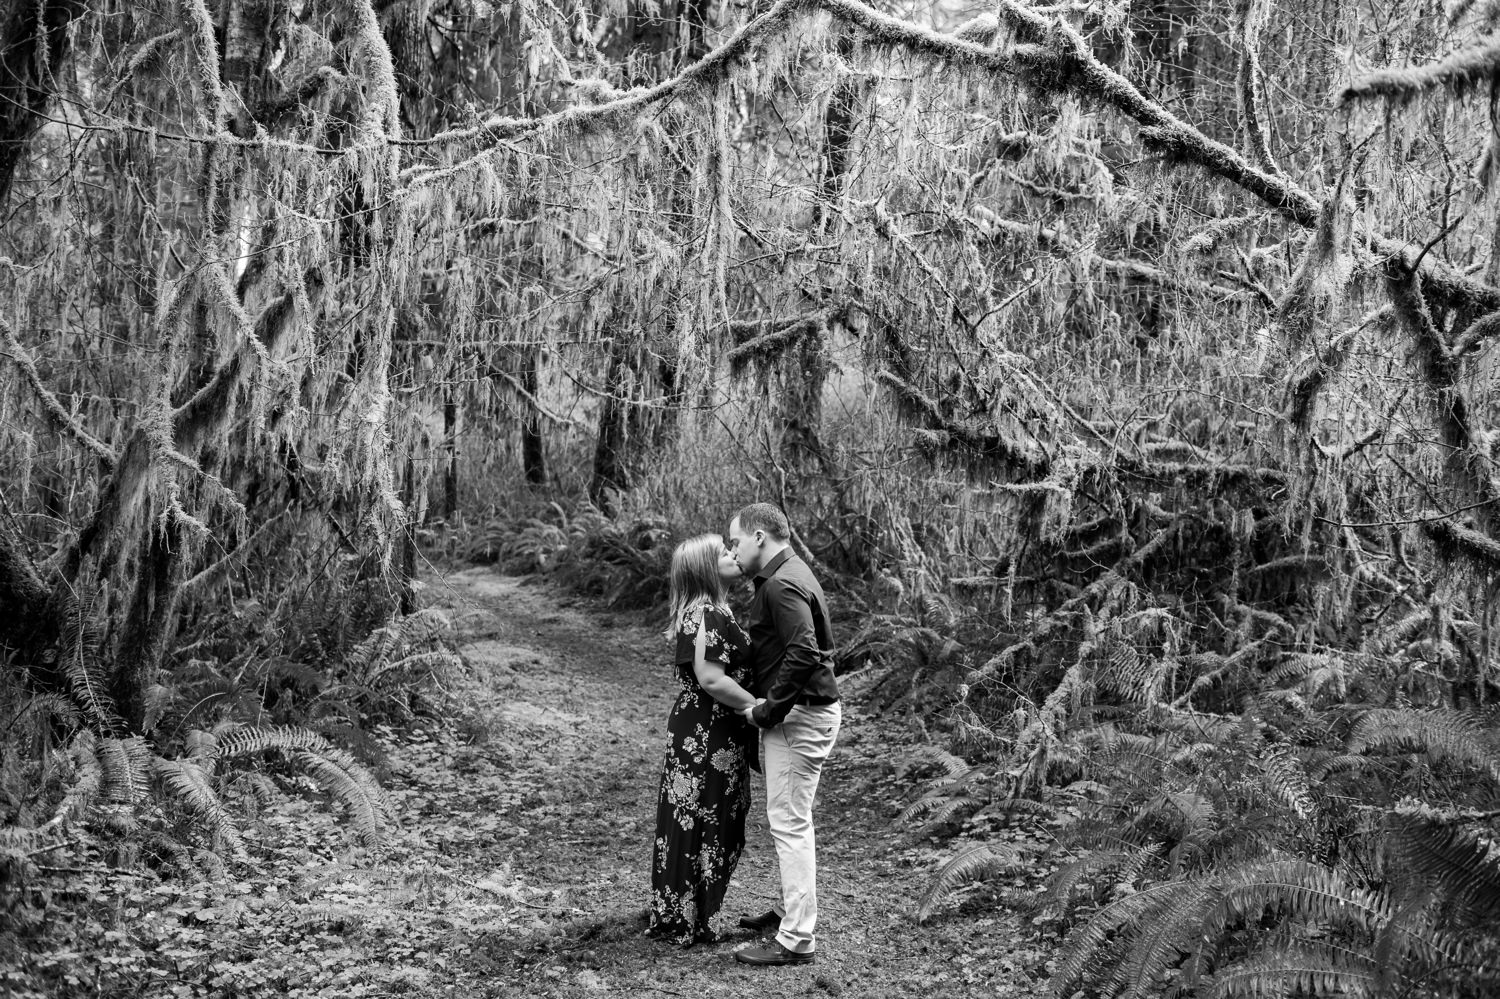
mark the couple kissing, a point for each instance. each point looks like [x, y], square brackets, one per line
[759, 695]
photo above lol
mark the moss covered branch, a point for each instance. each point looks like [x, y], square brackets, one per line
[1460, 72]
[764, 340]
[61, 418]
[1080, 71]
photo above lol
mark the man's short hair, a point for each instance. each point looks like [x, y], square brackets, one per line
[764, 517]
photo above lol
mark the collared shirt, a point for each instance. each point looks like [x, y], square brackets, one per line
[791, 644]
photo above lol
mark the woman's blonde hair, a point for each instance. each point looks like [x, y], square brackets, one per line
[695, 579]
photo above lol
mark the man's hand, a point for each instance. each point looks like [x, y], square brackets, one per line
[748, 713]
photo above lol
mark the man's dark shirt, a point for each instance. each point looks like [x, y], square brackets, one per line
[791, 645]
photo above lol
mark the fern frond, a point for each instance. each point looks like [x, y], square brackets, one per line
[260, 738]
[1197, 812]
[1160, 944]
[190, 785]
[125, 766]
[1068, 877]
[428, 626]
[88, 777]
[1342, 764]
[1127, 751]
[1122, 866]
[352, 785]
[1084, 943]
[951, 808]
[947, 791]
[953, 766]
[1310, 969]
[1197, 725]
[158, 699]
[77, 660]
[1294, 666]
[1296, 889]
[1462, 864]
[1107, 833]
[1190, 758]
[40, 707]
[1288, 782]
[1137, 862]
[1291, 700]
[1404, 630]
[1020, 806]
[375, 649]
[1445, 734]
[433, 663]
[203, 749]
[212, 863]
[973, 864]
[333, 768]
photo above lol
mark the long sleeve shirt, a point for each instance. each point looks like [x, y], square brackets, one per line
[790, 640]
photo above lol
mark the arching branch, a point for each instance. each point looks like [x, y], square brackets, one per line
[60, 416]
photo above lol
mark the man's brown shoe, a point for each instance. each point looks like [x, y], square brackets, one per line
[772, 955]
[765, 921]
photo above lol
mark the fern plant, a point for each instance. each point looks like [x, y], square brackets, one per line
[390, 673]
[332, 768]
[1254, 852]
[177, 807]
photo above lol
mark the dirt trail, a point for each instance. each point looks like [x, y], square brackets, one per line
[558, 788]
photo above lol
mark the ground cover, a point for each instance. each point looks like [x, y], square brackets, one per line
[517, 862]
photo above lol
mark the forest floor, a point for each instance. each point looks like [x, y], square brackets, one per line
[518, 862]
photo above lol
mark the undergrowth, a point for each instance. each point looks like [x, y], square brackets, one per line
[99, 829]
[1261, 802]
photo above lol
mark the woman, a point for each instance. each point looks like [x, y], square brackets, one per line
[705, 784]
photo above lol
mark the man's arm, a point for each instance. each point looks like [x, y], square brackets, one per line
[791, 615]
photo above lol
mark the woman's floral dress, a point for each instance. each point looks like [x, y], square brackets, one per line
[705, 787]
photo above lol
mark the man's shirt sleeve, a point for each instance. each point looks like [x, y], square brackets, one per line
[791, 615]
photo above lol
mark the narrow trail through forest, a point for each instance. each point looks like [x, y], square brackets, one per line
[557, 792]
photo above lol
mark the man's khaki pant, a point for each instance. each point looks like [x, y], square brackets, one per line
[792, 756]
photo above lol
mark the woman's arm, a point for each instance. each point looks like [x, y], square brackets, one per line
[711, 678]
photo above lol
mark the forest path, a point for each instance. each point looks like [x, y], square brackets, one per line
[559, 792]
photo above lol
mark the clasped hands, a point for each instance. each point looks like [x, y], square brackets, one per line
[745, 713]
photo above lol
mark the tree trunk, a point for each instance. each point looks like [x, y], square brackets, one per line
[150, 624]
[450, 447]
[609, 449]
[533, 456]
[838, 134]
[33, 44]
[409, 542]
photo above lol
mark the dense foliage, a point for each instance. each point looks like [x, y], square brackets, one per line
[1135, 359]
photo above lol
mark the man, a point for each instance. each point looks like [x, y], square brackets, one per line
[797, 712]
